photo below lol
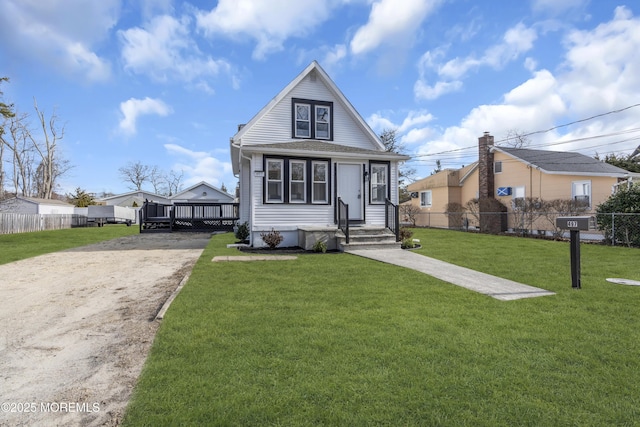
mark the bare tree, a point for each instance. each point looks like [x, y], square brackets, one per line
[405, 174]
[559, 207]
[410, 212]
[136, 174]
[174, 182]
[158, 180]
[6, 113]
[22, 154]
[51, 167]
[516, 138]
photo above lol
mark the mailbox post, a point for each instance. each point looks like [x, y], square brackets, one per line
[574, 224]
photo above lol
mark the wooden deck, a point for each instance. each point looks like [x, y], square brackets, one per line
[197, 217]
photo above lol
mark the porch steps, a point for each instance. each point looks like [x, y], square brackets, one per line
[367, 238]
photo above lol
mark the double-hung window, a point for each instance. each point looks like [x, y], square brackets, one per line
[519, 195]
[379, 178]
[425, 199]
[497, 167]
[303, 120]
[312, 119]
[581, 193]
[297, 181]
[323, 120]
[275, 183]
[320, 186]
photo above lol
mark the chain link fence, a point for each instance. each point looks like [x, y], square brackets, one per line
[617, 229]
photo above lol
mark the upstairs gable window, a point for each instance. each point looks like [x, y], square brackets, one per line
[312, 119]
[303, 121]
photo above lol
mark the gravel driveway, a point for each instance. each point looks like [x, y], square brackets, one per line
[76, 326]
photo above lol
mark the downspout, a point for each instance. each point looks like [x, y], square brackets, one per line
[242, 156]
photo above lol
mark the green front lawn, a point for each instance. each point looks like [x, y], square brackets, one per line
[14, 247]
[334, 339]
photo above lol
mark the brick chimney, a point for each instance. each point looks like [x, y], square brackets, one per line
[493, 214]
[485, 167]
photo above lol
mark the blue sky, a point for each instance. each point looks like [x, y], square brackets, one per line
[166, 83]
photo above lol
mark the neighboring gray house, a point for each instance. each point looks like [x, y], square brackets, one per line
[33, 205]
[138, 197]
[305, 149]
[202, 192]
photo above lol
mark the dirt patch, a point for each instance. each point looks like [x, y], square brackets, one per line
[77, 326]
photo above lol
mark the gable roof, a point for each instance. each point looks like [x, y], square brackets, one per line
[205, 184]
[39, 201]
[563, 162]
[316, 71]
[132, 193]
[313, 68]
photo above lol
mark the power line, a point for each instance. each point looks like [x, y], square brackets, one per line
[457, 150]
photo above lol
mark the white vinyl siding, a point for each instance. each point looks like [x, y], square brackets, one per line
[275, 125]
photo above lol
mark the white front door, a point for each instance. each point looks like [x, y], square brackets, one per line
[350, 189]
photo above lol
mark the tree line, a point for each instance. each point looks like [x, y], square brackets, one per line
[30, 160]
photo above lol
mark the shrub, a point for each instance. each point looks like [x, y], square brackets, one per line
[272, 238]
[405, 233]
[624, 227]
[242, 232]
[408, 243]
[320, 246]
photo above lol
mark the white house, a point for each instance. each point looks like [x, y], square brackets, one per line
[136, 197]
[33, 205]
[202, 192]
[305, 149]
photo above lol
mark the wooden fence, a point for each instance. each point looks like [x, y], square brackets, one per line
[11, 223]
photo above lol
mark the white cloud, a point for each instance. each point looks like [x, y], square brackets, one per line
[602, 66]
[60, 33]
[334, 56]
[269, 24]
[411, 130]
[163, 48]
[424, 91]
[391, 22]
[449, 75]
[132, 108]
[201, 166]
[601, 74]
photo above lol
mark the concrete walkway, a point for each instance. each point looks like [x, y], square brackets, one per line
[496, 287]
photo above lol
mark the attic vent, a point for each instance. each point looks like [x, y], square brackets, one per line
[312, 75]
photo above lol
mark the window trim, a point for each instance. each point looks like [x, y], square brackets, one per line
[286, 162]
[430, 204]
[319, 122]
[497, 165]
[313, 105]
[303, 181]
[387, 166]
[268, 180]
[573, 190]
[296, 105]
[325, 182]
[515, 197]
